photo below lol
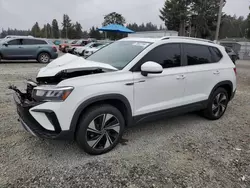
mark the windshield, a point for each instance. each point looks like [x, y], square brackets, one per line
[119, 54]
[4, 40]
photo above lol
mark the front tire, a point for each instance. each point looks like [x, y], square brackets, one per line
[217, 104]
[43, 57]
[100, 129]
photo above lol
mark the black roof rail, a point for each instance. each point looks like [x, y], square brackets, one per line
[189, 38]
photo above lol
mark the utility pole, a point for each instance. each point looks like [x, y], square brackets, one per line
[219, 20]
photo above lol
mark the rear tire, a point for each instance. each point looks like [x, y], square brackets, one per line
[100, 129]
[43, 57]
[217, 105]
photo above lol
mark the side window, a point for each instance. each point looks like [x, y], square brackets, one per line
[96, 44]
[168, 55]
[41, 42]
[33, 42]
[27, 41]
[14, 42]
[228, 50]
[197, 54]
[216, 54]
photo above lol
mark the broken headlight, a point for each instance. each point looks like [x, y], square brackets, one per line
[55, 94]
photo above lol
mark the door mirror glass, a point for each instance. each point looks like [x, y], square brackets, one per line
[151, 67]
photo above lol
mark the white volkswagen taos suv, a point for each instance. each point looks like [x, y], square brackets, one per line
[128, 82]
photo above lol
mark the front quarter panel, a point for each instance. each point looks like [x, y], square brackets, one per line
[89, 87]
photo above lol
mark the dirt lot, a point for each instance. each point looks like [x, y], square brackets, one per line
[185, 151]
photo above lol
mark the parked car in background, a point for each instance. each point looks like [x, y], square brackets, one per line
[79, 43]
[16, 36]
[90, 51]
[80, 50]
[64, 46]
[232, 54]
[57, 42]
[27, 48]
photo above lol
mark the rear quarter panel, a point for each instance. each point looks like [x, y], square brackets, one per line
[48, 49]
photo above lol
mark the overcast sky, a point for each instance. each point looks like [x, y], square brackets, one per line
[22, 14]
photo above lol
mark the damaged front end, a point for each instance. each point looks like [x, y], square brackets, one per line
[29, 115]
[25, 96]
[39, 106]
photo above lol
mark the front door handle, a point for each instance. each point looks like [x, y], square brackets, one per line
[180, 77]
[217, 72]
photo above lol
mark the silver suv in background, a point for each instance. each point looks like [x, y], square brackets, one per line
[25, 48]
[16, 36]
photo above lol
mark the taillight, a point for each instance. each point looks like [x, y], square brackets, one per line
[235, 71]
[54, 48]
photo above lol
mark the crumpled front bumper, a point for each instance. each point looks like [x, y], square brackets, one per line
[30, 124]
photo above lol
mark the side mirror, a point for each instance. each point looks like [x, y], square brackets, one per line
[151, 67]
[5, 44]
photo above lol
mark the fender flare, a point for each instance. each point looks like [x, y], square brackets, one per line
[227, 82]
[92, 100]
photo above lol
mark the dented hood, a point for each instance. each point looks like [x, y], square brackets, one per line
[71, 63]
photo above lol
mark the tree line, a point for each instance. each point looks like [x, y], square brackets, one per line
[194, 18]
[198, 18]
[73, 30]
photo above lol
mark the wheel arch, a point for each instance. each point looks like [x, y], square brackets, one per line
[43, 51]
[117, 100]
[227, 85]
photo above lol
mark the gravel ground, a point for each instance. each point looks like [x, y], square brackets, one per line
[184, 151]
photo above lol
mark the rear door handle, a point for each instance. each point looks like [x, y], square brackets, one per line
[217, 72]
[180, 77]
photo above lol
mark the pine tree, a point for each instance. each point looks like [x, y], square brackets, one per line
[35, 31]
[55, 29]
[174, 13]
[66, 27]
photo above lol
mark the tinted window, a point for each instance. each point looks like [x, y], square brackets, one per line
[168, 55]
[216, 54]
[228, 50]
[14, 42]
[33, 42]
[84, 43]
[197, 54]
[97, 44]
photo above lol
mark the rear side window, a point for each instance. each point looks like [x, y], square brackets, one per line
[14, 42]
[33, 42]
[216, 54]
[97, 44]
[197, 54]
[167, 55]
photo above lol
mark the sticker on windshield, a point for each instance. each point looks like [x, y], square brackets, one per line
[142, 44]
